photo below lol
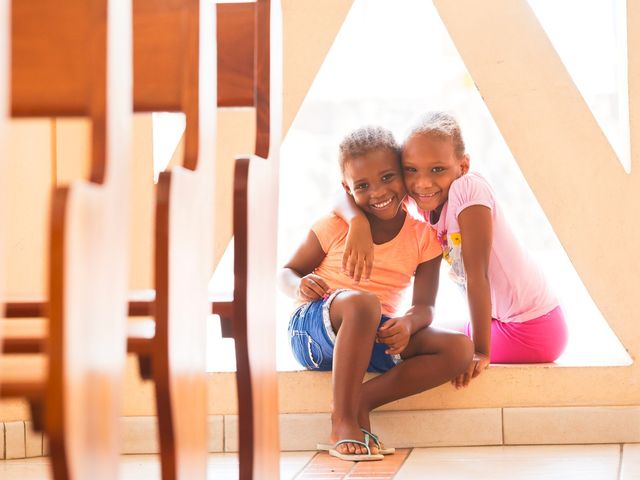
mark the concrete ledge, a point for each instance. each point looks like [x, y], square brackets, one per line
[302, 431]
[14, 438]
[542, 385]
[437, 428]
[402, 429]
[531, 426]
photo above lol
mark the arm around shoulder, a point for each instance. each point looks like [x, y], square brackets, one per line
[357, 260]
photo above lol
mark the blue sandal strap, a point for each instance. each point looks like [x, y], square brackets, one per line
[373, 436]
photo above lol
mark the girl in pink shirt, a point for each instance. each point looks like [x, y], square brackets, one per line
[515, 318]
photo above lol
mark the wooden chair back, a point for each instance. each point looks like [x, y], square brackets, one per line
[4, 115]
[255, 233]
[244, 61]
[72, 58]
[175, 70]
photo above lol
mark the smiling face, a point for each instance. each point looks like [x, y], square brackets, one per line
[430, 165]
[375, 181]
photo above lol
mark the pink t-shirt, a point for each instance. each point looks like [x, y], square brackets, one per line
[519, 290]
[394, 265]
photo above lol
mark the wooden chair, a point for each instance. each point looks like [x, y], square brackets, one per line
[237, 87]
[4, 115]
[175, 70]
[245, 34]
[255, 233]
[71, 59]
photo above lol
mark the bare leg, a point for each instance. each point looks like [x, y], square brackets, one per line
[431, 358]
[355, 317]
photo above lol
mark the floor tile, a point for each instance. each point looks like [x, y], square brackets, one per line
[383, 470]
[224, 466]
[291, 463]
[630, 469]
[25, 469]
[135, 467]
[563, 462]
[558, 462]
[325, 467]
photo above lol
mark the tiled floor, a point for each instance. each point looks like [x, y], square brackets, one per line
[222, 466]
[561, 462]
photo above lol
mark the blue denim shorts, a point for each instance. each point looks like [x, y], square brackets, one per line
[312, 338]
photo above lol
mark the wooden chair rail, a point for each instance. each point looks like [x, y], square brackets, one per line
[137, 308]
[25, 327]
[23, 376]
[24, 335]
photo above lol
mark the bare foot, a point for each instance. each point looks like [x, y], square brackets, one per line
[342, 430]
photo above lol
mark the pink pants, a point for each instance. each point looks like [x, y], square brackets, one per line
[538, 340]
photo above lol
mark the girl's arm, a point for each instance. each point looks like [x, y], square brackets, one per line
[357, 259]
[476, 230]
[296, 279]
[397, 331]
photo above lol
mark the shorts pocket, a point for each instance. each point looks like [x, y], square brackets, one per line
[306, 350]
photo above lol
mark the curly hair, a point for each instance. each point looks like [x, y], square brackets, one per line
[365, 140]
[441, 125]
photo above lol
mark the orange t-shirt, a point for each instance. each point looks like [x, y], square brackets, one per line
[394, 262]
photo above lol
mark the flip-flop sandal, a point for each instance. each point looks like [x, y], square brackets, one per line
[355, 457]
[376, 440]
[383, 451]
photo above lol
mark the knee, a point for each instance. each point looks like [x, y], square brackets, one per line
[460, 351]
[364, 307]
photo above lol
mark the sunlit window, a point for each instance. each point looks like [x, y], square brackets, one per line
[394, 60]
[591, 39]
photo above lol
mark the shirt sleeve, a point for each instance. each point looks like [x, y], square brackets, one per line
[430, 248]
[467, 191]
[413, 210]
[329, 230]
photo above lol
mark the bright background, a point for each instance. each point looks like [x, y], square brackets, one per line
[393, 60]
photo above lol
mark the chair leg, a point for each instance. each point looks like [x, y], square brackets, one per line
[37, 414]
[145, 367]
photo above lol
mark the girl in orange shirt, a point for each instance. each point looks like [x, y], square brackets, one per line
[350, 329]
